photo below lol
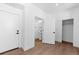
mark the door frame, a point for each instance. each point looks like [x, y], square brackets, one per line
[72, 28]
[36, 19]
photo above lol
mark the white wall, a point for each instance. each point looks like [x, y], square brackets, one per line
[72, 13]
[30, 12]
[75, 14]
[49, 25]
[64, 15]
[58, 30]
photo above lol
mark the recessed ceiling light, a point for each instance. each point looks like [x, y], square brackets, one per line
[57, 4]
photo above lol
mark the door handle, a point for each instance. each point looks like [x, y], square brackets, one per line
[17, 32]
[54, 32]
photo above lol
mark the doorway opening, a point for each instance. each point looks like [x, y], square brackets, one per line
[39, 24]
[67, 31]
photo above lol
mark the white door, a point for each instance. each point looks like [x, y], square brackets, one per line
[8, 24]
[49, 32]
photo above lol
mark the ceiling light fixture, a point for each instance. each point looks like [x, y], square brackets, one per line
[57, 4]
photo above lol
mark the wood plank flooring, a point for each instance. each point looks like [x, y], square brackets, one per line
[47, 49]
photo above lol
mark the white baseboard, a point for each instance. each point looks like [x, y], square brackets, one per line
[48, 42]
[76, 44]
[25, 49]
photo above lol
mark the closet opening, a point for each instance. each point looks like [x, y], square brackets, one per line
[67, 31]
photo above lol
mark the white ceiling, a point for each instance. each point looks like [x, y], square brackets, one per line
[16, 5]
[52, 8]
[48, 7]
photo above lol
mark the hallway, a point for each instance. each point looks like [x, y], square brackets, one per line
[47, 49]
